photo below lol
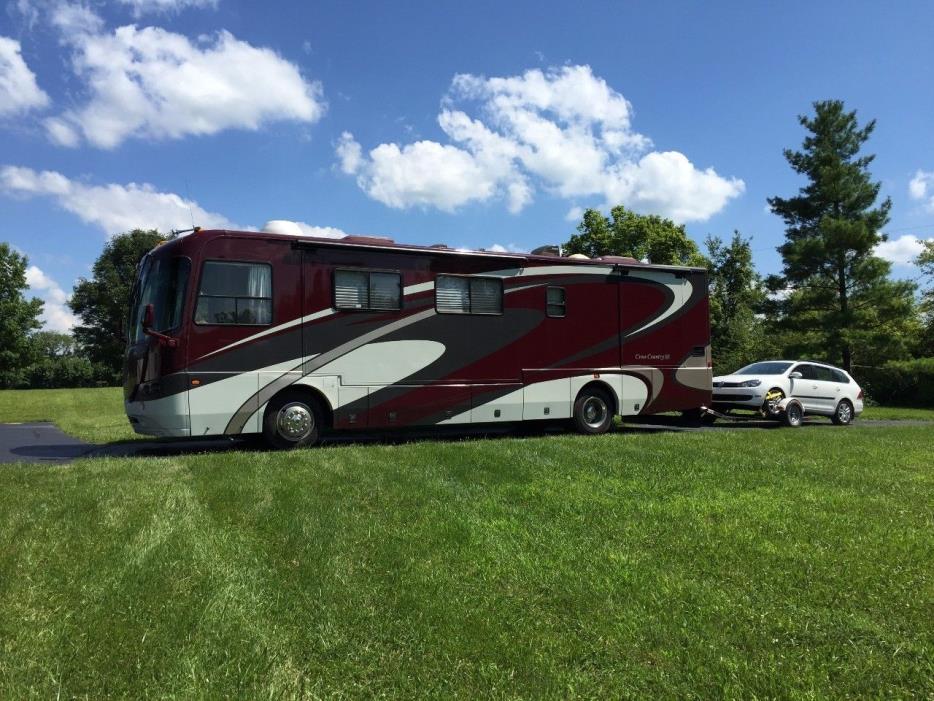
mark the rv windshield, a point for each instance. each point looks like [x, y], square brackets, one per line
[162, 283]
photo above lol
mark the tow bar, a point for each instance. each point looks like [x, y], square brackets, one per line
[789, 410]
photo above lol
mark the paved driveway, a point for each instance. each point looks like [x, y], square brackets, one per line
[38, 442]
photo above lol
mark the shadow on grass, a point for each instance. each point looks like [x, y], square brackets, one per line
[59, 447]
[167, 447]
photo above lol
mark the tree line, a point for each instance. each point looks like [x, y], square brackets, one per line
[834, 299]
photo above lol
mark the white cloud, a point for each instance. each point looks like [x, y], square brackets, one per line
[900, 251]
[19, 91]
[574, 214]
[921, 188]
[114, 208]
[563, 130]
[509, 248]
[142, 7]
[349, 153]
[151, 83]
[55, 313]
[74, 20]
[300, 228]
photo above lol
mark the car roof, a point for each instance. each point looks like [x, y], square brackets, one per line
[802, 360]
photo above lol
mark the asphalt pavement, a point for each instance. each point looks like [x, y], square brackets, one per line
[38, 443]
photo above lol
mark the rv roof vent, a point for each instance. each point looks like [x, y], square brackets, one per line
[440, 245]
[372, 240]
[579, 256]
[548, 250]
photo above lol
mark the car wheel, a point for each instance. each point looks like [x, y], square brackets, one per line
[844, 413]
[793, 414]
[593, 412]
[770, 408]
[292, 421]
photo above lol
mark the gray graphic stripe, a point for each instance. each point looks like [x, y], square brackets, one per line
[246, 410]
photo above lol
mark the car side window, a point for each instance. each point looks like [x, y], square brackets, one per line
[824, 374]
[808, 372]
[838, 376]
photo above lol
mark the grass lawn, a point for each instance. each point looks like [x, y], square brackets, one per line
[95, 414]
[779, 563]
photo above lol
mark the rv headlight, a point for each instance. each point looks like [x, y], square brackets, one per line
[751, 383]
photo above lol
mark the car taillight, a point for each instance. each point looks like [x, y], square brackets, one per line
[860, 395]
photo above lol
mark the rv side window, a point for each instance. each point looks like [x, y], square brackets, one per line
[235, 293]
[359, 289]
[468, 295]
[556, 302]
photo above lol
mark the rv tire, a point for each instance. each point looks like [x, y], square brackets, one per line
[593, 411]
[292, 420]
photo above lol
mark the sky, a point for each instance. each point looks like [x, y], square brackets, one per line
[478, 124]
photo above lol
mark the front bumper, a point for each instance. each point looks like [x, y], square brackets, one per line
[739, 397]
[167, 417]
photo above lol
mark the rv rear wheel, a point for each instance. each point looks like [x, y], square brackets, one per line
[593, 411]
[292, 421]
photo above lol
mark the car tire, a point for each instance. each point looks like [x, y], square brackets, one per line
[793, 414]
[593, 412]
[292, 420]
[843, 416]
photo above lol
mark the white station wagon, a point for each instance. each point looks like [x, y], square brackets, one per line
[822, 389]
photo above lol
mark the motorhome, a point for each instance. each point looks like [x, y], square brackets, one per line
[292, 337]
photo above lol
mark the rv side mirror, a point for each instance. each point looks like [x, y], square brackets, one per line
[149, 316]
[794, 376]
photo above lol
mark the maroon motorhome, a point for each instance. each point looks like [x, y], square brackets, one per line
[239, 332]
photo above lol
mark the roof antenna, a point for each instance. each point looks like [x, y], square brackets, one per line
[175, 233]
[188, 202]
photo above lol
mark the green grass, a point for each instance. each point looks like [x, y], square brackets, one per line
[95, 415]
[896, 413]
[780, 563]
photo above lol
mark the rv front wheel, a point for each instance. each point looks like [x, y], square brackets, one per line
[291, 422]
[592, 412]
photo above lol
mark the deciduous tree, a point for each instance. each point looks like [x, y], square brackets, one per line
[736, 297]
[641, 236]
[18, 316]
[102, 302]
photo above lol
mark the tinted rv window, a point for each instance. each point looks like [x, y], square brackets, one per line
[556, 302]
[468, 295]
[235, 293]
[359, 289]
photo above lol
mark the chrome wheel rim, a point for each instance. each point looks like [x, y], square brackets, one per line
[844, 413]
[594, 412]
[295, 421]
[794, 415]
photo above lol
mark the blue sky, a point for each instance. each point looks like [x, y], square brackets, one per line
[473, 124]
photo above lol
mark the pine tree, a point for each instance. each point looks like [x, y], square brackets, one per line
[840, 297]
